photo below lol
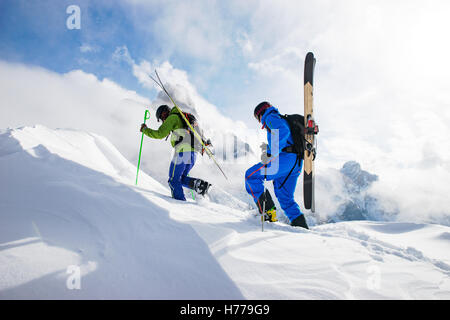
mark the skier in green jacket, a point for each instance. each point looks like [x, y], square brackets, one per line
[186, 149]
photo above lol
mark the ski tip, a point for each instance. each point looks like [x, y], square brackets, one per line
[310, 62]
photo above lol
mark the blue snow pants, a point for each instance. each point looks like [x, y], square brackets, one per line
[180, 166]
[277, 171]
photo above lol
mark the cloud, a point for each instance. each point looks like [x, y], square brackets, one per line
[122, 54]
[244, 42]
[33, 95]
[380, 75]
[196, 29]
[86, 48]
[182, 90]
[285, 62]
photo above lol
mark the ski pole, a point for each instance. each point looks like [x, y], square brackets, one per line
[264, 204]
[146, 117]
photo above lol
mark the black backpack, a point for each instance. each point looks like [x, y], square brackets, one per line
[296, 124]
[192, 120]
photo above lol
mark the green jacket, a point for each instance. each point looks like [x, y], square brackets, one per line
[173, 124]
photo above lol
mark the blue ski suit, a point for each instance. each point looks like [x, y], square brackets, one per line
[185, 153]
[278, 137]
[179, 169]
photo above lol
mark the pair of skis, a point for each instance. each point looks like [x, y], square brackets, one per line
[311, 130]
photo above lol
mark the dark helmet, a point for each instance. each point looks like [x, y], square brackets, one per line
[260, 109]
[163, 112]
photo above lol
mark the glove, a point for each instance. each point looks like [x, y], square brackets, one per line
[143, 126]
[207, 143]
[265, 158]
[263, 147]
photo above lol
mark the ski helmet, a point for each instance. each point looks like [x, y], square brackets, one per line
[163, 112]
[260, 109]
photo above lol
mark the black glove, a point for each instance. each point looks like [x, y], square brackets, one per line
[265, 158]
[143, 126]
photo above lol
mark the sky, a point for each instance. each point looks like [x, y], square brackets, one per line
[35, 32]
[381, 89]
[238, 53]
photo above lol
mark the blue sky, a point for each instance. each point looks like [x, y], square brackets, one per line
[238, 53]
[235, 53]
[35, 33]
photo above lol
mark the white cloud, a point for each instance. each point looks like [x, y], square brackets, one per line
[122, 54]
[286, 62]
[32, 95]
[182, 90]
[86, 48]
[244, 42]
[195, 28]
[381, 73]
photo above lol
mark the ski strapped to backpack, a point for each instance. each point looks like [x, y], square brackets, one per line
[196, 135]
[310, 133]
[298, 131]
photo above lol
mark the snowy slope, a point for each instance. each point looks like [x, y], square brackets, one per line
[67, 198]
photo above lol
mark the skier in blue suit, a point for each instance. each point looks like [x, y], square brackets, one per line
[277, 165]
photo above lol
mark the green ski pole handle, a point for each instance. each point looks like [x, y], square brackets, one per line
[146, 117]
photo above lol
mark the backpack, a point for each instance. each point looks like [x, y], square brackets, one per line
[194, 123]
[296, 125]
[192, 120]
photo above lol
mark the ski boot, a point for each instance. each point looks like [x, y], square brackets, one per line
[271, 215]
[265, 201]
[200, 186]
[300, 222]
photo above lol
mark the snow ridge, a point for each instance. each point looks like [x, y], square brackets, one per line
[68, 200]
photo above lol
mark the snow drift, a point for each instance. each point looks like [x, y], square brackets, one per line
[68, 201]
[65, 201]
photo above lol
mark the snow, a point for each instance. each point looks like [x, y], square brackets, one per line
[68, 199]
